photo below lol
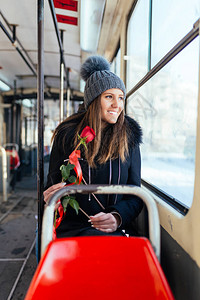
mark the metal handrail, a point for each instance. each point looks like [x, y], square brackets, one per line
[52, 8]
[154, 224]
[13, 145]
[4, 173]
[17, 48]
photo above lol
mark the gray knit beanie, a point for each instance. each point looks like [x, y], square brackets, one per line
[96, 73]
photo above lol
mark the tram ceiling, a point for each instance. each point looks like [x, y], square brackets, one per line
[12, 65]
[23, 15]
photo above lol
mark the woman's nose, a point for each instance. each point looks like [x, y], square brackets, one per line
[115, 102]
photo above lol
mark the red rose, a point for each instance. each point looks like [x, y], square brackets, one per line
[88, 133]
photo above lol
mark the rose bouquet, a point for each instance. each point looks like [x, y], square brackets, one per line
[86, 136]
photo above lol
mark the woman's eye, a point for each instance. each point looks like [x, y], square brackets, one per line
[121, 98]
[109, 97]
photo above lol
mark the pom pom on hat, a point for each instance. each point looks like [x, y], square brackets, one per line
[93, 64]
[96, 73]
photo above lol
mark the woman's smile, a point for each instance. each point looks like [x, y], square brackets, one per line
[113, 112]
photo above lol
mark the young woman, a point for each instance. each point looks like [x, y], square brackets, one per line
[113, 157]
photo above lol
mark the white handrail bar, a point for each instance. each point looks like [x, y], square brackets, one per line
[14, 145]
[154, 224]
[4, 173]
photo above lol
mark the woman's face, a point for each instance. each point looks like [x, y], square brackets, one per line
[112, 104]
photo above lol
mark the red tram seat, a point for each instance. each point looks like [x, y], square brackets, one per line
[14, 159]
[99, 268]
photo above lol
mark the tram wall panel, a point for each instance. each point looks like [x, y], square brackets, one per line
[181, 270]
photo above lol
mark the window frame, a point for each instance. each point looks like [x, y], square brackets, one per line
[184, 42]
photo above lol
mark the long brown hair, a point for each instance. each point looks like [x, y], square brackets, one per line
[110, 142]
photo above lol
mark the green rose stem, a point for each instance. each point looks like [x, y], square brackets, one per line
[84, 212]
[83, 142]
[94, 196]
[56, 213]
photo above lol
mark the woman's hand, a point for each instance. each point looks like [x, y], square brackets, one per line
[104, 222]
[51, 190]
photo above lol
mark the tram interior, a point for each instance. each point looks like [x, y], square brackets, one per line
[154, 47]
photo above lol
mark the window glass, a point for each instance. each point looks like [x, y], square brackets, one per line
[115, 65]
[137, 44]
[171, 21]
[29, 122]
[117, 62]
[166, 108]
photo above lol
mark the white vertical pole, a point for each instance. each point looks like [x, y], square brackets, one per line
[61, 92]
[68, 101]
[4, 173]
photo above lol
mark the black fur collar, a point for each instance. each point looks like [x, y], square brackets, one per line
[135, 131]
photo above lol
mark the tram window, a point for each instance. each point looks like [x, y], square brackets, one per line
[29, 122]
[115, 65]
[171, 20]
[166, 108]
[137, 44]
[51, 120]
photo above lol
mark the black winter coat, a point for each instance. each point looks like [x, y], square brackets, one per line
[112, 172]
